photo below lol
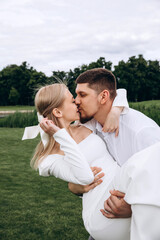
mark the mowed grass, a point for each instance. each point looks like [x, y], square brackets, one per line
[33, 207]
[16, 108]
[146, 103]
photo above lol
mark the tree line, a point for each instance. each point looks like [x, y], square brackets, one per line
[140, 77]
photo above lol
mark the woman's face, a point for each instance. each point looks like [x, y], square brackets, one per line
[69, 108]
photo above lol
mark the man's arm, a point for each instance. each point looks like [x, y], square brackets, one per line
[116, 207]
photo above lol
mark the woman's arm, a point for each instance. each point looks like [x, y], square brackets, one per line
[73, 167]
[121, 100]
[119, 106]
[80, 189]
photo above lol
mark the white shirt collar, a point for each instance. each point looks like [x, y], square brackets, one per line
[98, 127]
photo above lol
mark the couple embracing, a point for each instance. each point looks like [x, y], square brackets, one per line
[117, 173]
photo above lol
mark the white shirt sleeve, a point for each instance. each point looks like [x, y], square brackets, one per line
[73, 167]
[121, 100]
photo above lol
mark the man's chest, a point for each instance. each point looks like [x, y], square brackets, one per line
[121, 148]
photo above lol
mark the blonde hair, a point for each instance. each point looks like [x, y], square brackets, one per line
[46, 99]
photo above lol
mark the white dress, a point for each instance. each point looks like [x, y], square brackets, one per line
[135, 178]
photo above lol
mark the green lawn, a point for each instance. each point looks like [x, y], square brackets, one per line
[33, 207]
[16, 108]
[147, 103]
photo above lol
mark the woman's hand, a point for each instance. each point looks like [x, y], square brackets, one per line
[80, 189]
[112, 121]
[48, 126]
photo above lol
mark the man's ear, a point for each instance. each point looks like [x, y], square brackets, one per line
[104, 96]
[57, 113]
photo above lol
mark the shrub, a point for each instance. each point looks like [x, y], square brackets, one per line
[19, 120]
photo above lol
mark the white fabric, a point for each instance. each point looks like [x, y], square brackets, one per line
[142, 171]
[33, 131]
[121, 100]
[138, 171]
[72, 167]
[146, 227]
[136, 132]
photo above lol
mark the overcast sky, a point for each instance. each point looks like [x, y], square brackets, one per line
[63, 34]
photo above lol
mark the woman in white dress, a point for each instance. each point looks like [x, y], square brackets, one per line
[70, 153]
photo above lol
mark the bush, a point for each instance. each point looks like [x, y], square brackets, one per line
[19, 120]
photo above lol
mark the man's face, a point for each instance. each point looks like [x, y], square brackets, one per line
[87, 102]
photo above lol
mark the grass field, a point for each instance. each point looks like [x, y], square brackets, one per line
[33, 207]
[147, 103]
[16, 108]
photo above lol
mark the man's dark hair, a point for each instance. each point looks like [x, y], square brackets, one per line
[99, 79]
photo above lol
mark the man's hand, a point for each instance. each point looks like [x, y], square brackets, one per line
[112, 121]
[80, 189]
[116, 207]
[48, 126]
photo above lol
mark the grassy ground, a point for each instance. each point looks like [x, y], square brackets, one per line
[149, 108]
[16, 108]
[33, 207]
[147, 103]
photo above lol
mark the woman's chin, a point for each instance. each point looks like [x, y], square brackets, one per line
[77, 116]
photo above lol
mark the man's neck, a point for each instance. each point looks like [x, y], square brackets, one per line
[102, 113]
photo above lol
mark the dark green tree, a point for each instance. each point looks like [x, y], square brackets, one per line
[139, 77]
[13, 96]
[23, 79]
[152, 89]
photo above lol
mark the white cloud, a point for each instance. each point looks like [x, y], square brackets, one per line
[60, 34]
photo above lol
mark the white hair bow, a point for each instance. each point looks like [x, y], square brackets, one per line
[32, 132]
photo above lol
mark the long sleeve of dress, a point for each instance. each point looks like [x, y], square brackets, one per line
[121, 100]
[72, 167]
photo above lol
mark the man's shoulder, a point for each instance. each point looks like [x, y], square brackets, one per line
[136, 120]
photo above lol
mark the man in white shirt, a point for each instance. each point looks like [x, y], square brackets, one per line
[136, 132]
[96, 90]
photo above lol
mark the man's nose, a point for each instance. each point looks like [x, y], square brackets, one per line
[77, 100]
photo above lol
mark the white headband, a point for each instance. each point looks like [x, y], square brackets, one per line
[32, 132]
